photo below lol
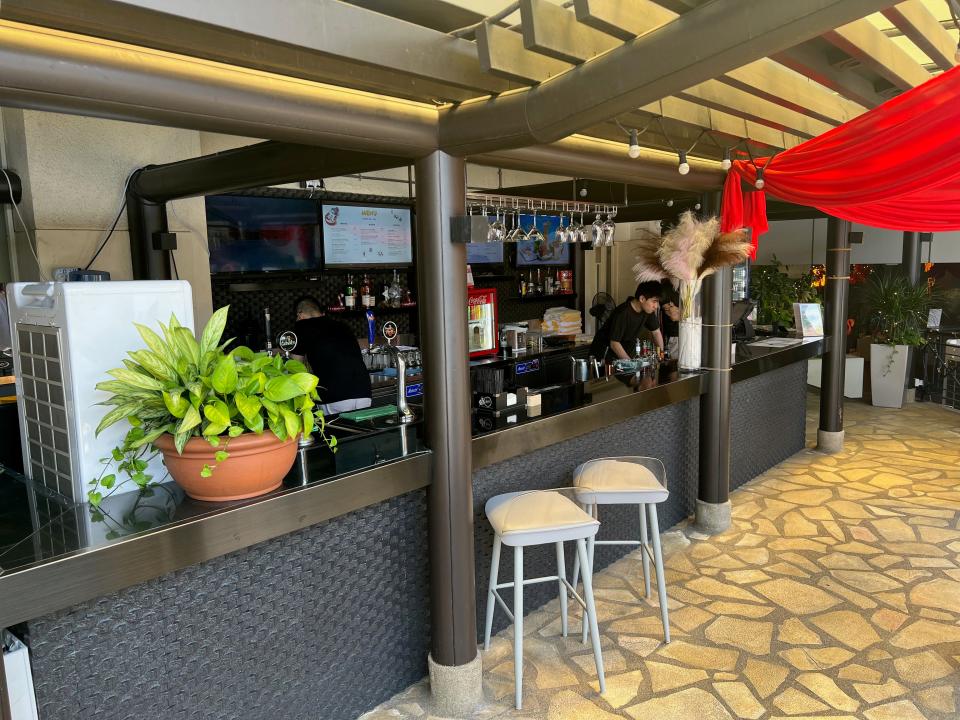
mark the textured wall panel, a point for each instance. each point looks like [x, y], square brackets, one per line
[670, 434]
[767, 421]
[323, 623]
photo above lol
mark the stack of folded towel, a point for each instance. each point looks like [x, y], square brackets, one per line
[562, 321]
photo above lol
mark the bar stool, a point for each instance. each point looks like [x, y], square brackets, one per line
[539, 517]
[629, 480]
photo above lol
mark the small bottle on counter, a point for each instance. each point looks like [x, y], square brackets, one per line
[366, 292]
[349, 294]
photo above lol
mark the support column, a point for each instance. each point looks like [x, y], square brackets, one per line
[713, 496]
[455, 666]
[145, 219]
[911, 268]
[830, 432]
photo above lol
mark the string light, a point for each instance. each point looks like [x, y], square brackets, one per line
[634, 150]
[726, 163]
[759, 184]
[684, 167]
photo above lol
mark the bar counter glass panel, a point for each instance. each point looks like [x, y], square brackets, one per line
[40, 526]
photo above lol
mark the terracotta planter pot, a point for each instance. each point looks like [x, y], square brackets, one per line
[257, 465]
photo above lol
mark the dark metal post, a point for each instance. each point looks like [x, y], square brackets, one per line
[441, 193]
[830, 433]
[911, 255]
[713, 496]
[14, 187]
[144, 220]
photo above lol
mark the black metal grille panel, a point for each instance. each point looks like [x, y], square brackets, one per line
[670, 433]
[323, 623]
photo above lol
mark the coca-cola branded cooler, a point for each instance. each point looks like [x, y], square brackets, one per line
[482, 322]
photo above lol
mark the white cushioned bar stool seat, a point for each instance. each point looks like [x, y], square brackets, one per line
[539, 517]
[629, 480]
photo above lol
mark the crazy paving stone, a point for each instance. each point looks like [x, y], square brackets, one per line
[858, 532]
[834, 529]
[857, 547]
[641, 646]
[940, 699]
[894, 530]
[765, 676]
[922, 668]
[637, 625]
[876, 655]
[665, 677]
[878, 693]
[894, 599]
[817, 513]
[907, 575]
[742, 609]
[848, 627]
[793, 702]
[797, 598]
[745, 577]
[765, 527]
[679, 561]
[795, 525]
[683, 705]
[930, 562]
[568, 704]
[749, 540]
[800, 561]
[796, 544]
[749, 635]
[937, 535]
[936, 614]
[552, 671]
[902, 710]
[738, 696]
[828, 691]
[807, 497]
[794, 632]
[784, 568]
[621, 689]
[703, 550]
[816, 658]
[711, 587]
[724, 676]
[613, 662]
[939, 593]
[699, 656]
[849, 509]
[884, 561]
[889, 620]
[859, 672]
[925, 632]
[861, 601]
[722, 562]
[866, 581]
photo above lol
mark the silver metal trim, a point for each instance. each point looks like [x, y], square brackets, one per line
[48, 586]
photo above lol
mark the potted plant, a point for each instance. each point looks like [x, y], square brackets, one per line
[776, 292]
[898, 315]
[226, 422]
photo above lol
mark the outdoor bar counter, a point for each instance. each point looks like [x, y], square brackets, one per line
[314, 601]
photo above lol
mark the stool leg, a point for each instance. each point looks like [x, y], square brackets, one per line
[644, 545]
[589, 546]
[491, 600]
[591, 612]
[576, 560]
[658, 561]
[518, 623]
[562, 574]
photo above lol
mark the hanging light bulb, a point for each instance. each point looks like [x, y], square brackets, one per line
[759, 184]
[684, 166]
[634, 150]
[670, 203]
[697, 206]
[726, 163]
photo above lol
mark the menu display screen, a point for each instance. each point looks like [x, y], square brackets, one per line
[549, 250]
[358, 235]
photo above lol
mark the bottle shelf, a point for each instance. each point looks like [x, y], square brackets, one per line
[377, 310]
[543, 298]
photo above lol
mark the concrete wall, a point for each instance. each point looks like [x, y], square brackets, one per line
[804, 242]
[73, 169]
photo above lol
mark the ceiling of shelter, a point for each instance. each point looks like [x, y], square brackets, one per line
[449, 51]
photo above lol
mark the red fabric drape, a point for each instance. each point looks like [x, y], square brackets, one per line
[896, 166]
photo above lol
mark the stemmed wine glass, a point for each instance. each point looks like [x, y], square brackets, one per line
[533, 234]
[562, 233]
[609, 228]
[596, 229]
[498, 228]
[580, 231]
[516, 232]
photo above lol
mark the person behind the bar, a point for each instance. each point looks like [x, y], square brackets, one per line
[670, 319]
[636, 318]
[334, 356]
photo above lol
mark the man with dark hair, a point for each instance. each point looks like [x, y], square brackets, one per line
[334, 356]
[636, 318]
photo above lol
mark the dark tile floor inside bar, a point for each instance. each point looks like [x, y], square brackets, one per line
[835, 594]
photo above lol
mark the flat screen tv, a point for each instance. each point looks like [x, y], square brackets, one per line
[485, 253]
[262, 234]
[548, 252]
[366, 235]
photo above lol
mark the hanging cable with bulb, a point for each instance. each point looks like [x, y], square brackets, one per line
[683, 167]
[633, 149]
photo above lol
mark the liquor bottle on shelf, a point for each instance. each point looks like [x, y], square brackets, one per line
[350, 295]
[366, 292]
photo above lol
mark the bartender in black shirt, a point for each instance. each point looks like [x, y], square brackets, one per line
[635, 317]
[334, 357]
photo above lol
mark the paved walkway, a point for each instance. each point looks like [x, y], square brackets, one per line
[836, 594]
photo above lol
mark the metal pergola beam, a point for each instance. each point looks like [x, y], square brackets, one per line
[810, 60]
[915, 21]
[609, 85]
[866, 43]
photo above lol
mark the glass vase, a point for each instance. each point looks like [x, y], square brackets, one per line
[691, 326]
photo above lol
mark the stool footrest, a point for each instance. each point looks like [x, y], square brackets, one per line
[617, 542]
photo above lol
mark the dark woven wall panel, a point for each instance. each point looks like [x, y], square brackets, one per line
[323, 623]
[670, 434]
[767, 421]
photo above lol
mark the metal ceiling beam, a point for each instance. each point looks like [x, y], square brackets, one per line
[294, 36]
[555, 32]
[924, 30]
[598, 90]
[55, 71]
[605, 160]
[436, 14]
[764, 78]
[811, 60]
[865, 42]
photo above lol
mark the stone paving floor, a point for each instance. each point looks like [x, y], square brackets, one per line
[835, 594]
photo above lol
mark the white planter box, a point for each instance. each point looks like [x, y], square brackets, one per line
[852, 375]
[888, 374]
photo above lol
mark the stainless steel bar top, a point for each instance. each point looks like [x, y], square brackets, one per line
[570, 410]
